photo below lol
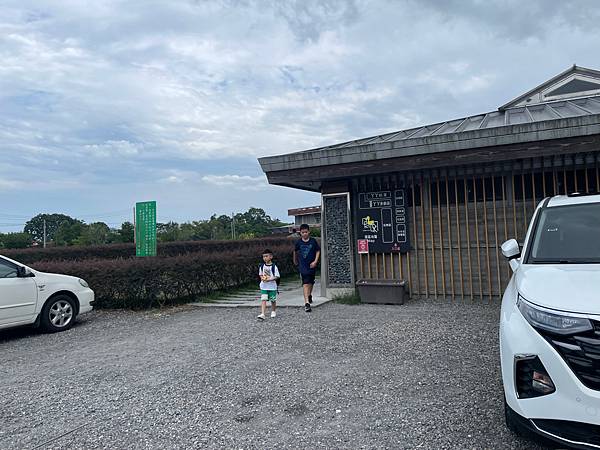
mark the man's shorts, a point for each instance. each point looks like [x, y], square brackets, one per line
[308, 278]
[268, 295]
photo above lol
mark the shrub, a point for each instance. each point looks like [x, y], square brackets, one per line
[113, 251]
[168, 280]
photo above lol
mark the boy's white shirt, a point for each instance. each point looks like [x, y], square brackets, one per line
[268, 285]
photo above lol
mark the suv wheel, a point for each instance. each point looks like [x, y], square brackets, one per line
[58, 314]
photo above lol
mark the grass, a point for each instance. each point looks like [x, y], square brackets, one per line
[347, 299]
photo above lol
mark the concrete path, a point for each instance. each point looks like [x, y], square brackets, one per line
[290, 295]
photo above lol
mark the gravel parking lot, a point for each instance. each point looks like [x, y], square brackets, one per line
[422, 375]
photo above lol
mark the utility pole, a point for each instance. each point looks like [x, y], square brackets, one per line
[232, 226]
[44, 233]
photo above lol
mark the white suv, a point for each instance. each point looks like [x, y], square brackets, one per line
[550, 324]
[48, 300]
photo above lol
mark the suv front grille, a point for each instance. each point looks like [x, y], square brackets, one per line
[581, 352]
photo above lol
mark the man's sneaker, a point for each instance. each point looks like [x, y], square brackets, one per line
[261, 317]
[310, 298]
[273, 314]
[307, 307]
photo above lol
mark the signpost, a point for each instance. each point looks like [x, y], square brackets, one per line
[382, 222]
[145, 229]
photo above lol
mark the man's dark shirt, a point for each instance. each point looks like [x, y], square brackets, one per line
[306, 253]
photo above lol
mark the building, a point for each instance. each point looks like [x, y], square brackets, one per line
[310, 215]
[432, 205]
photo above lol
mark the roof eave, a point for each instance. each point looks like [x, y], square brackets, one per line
[504, 135]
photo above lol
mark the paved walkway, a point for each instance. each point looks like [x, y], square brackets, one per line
[290, 295]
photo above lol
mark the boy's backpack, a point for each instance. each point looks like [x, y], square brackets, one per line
[273, 266]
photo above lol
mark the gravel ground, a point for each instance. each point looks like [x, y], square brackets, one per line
[422, 375]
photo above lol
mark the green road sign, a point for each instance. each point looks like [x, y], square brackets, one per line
[145, 229]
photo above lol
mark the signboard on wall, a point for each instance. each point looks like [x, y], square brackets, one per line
[363, 246]
[145, 229]
[382, 221]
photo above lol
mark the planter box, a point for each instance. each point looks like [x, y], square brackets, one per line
[382, 291]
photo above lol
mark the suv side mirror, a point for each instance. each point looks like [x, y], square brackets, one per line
[512, 251]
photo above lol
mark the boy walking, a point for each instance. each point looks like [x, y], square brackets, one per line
[269, 274]
[306, 257]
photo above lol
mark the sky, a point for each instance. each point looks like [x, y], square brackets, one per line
[106, 103]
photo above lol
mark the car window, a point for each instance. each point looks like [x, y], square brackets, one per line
[567, 234]
[7, 270]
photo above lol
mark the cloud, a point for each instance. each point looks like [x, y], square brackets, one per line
[237, 182]
[183, 96]
[113, 148]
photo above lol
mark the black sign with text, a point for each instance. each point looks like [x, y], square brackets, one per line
[382, 220]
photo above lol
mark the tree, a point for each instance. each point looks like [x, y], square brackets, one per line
[69, 233]
[167, 232]
[96, 233]
[126, 232]
[15, 240]
[255, 222]
[35, 226]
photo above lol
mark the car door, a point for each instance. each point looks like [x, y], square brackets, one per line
[18, 296]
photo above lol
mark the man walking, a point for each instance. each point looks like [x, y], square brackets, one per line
[306, 257]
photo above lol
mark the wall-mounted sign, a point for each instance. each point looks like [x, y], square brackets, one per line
[145, 229]
[363, 246]
[382, 221]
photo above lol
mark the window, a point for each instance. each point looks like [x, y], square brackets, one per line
[7, 270]
[567, 234]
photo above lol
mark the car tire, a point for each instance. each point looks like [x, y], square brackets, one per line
[58, 314]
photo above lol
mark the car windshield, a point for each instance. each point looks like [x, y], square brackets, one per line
[567, 234]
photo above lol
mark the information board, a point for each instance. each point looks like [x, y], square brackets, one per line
[382, 221]
[145, 229]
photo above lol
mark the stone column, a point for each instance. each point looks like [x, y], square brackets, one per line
[337, 269]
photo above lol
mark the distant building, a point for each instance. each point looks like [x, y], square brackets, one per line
[284, 229]
[310, 215]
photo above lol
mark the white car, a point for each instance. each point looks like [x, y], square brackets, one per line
[550, 324]
[48, 300]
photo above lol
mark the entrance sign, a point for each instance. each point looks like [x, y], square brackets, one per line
[145, 229]
[382, 221]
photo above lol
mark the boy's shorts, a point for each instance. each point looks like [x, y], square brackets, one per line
[268, 295]
[308, 278]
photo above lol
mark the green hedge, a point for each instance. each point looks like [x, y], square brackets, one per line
[168, 280]
[112, 251]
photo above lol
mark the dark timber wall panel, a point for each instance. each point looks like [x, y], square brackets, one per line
[460, 216]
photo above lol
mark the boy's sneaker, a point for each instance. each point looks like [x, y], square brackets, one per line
[310, 298]
[307, 307]
[273, 314]
[261, 317]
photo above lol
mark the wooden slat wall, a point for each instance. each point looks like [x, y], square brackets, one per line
[456, 243]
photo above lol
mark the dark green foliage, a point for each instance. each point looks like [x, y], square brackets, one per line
[125, 233]
[15, 240]
[35, 226]
[68, 233]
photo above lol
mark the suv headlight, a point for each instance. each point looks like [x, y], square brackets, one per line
[83, 283]
[552, 322]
